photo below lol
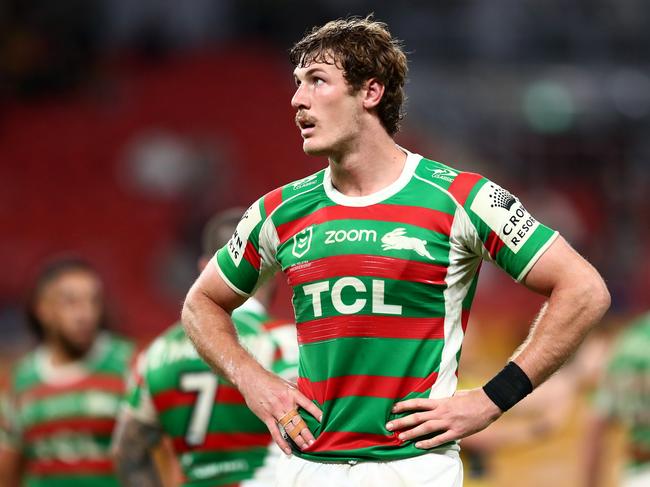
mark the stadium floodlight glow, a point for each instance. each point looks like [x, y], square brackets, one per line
[548, 107]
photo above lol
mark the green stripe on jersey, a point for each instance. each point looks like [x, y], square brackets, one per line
[72, 481]
[82, 404]
[226, 468]
[363, 356]
[364, 237]
[240, 420]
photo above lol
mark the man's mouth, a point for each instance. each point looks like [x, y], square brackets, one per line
[305, 123]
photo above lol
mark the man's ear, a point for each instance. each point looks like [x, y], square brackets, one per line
[373, 90]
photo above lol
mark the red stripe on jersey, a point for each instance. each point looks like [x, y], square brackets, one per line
[107, 383]
[80, 467]
[272, 200]
[366, 265]
[96, 426]
[364, 385]
[464, 319]
[372, 326]
[493, 244]
[413, 215]
[462, 185]
[273, 324]
[344, 440]
[225, 441]
[228, 395]
[252, 256]
[172, 398]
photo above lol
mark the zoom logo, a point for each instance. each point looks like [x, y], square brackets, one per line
[354, 235]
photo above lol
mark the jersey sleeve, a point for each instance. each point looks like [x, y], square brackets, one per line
[10, 430]
[248, 259]
[137, 400]
[503, 231]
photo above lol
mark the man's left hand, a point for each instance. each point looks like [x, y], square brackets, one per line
[461, 415]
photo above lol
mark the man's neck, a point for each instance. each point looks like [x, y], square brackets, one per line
[368, 167]
[59, 357]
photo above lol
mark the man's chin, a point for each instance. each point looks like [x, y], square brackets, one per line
[312, 149]
[77, 349]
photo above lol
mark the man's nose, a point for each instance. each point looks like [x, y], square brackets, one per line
[300, 99]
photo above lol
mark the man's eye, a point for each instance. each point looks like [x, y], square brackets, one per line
[318, 81]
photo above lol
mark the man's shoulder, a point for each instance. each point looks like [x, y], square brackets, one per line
[457, 183]
[119, 343]
[169, 348]
[289, 194]
[24, 372]
[634, 341]
[114, 351]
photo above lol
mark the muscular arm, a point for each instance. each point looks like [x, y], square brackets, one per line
[578, 298]
[133, 447]
[206, 318]
[11, 462]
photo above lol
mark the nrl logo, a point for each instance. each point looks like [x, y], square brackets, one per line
[302, 242]
[398, 240]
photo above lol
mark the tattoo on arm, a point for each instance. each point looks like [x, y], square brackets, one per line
[133, 452]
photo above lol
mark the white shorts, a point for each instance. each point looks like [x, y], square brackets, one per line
[443, 469]
[639, 477]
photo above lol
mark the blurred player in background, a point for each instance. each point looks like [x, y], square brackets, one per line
[219, 441]
[623, 397]
[382, 249]
[64, 396]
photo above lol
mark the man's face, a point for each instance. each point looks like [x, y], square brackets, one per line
[328, 112]
[70, 308]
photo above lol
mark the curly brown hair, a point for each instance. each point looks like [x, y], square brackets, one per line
[363, 48]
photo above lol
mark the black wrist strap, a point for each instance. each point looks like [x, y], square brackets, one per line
[508, 387]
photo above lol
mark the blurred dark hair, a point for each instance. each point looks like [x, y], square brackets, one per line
[363, 48]
[51, 271]
[218, 230]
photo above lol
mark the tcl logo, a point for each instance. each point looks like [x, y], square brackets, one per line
[320, 290]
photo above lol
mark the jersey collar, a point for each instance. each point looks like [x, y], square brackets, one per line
[337, 197]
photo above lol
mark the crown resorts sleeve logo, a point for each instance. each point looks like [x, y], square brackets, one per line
[505, 215]
[501, 198]
[302, 242]
[398, 240]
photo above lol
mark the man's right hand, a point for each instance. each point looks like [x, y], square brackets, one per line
[272, 398]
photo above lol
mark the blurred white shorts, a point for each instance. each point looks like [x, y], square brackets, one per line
[637, 478]
[443, 469]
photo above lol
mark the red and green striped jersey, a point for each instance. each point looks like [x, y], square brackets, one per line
[61, 419]
[382, 289]
[219, 441]
[624, 392]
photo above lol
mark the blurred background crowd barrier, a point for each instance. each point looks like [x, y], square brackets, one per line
[125, 124]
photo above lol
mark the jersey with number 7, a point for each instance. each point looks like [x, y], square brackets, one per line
[219, 441]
